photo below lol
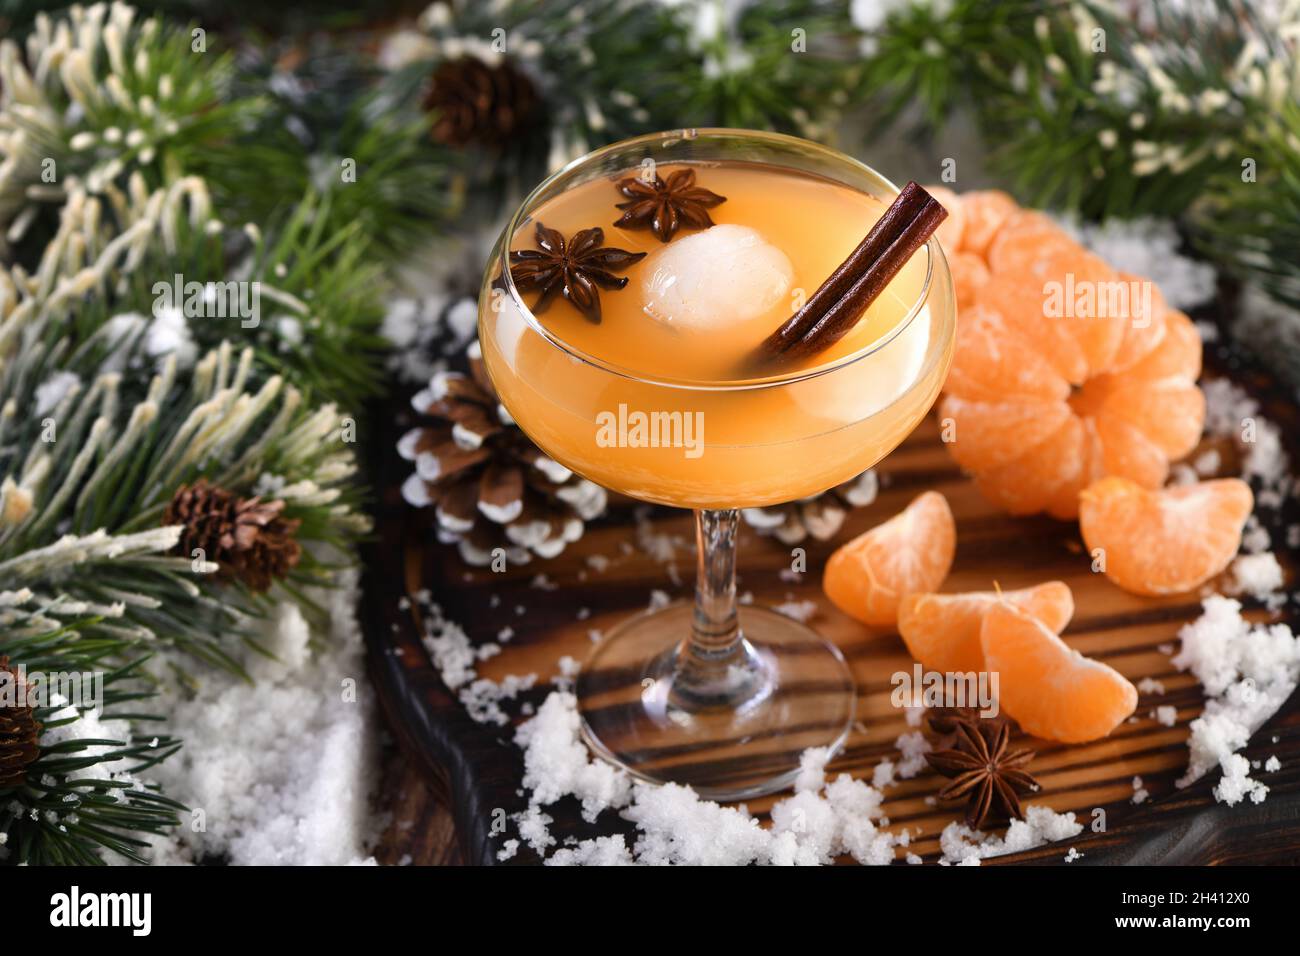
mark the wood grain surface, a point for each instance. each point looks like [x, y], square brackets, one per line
[478, 768]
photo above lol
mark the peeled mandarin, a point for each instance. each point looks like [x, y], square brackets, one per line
[1065, 371]
[942, 631]
[1167, 541]
[1051, 689]
[911, 552]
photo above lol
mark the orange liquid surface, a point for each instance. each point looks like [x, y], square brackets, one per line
[659, 421]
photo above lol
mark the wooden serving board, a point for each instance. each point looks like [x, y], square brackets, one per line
[477, 768]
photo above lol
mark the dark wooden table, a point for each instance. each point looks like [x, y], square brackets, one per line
[420, 831]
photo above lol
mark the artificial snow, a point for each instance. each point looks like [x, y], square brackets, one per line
[557, 764]
[1236, 784]
[674, 825]
[1248, 672]
[1166, 715]
[1258, 575]
[53, 390]
[1231, 412]
[1149, 247]
[602, 851]
[913, 746]
[279, 771]
[801, 611]
[1041, 825]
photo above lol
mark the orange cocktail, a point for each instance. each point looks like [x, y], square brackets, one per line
[634, 356]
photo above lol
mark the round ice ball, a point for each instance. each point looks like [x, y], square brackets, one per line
[722, 276]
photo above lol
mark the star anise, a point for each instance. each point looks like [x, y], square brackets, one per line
[666, 206]
[984, 772]
[573, 268]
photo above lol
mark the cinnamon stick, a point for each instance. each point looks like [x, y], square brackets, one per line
[839, 302]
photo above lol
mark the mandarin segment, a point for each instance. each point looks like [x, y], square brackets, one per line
[1096, 323]
[991, 362]
[1051, 689]
[1167, 541]
[1178, 354]
[1027, 238]
[969, 275]
[912, 552]
[1170, 413]
[1030, 483]
[1064, 501]
[1142, 332]
[950, 230]
[942, 631]
[1128, 453]
[991, 434]
[984, 212]
[1018, 298]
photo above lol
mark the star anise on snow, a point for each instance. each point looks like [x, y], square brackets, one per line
[983, 771]
[573, 268]
[664, 206]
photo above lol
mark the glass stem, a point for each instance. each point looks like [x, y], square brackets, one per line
[715, 667]
[715, 631]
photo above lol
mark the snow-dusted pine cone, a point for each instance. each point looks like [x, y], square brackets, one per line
[490, 485]
[820, 516]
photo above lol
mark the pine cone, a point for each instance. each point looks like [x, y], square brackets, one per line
[19, 729]
[247, 537]
[478, 104]
[820, 516]
[492, 487]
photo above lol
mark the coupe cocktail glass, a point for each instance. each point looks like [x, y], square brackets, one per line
[722, 697]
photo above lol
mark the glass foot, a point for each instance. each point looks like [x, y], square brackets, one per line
[733, 728]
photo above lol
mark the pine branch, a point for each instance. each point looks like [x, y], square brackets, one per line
[1250, 219]
[1087, 106]
[123, 443]
[333, 129]
[84, 800]
[101, 95]
[784, 65]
